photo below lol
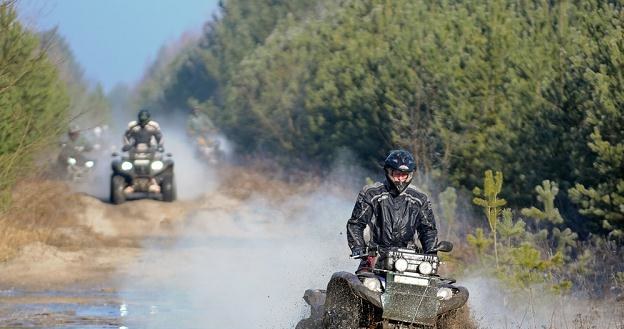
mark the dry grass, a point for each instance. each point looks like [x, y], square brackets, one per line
[48, 211]
[38, 212]
[243, 183]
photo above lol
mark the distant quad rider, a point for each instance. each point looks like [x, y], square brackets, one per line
[204, 133]
[76, 143]
[199, 124]
[73, 161]
[395, 211]
[75, 146]
[143, 131]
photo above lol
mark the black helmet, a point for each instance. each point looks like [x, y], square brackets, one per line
[144, 117]
[403, 161]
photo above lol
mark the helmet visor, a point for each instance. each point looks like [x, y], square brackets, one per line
[399, 178]
[399, 175]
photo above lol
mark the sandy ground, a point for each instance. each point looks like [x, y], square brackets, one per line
[75, 285]
[131, 256]
[119, 230]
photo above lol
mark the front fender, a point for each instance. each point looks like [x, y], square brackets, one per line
[459, 299]
[116, 167]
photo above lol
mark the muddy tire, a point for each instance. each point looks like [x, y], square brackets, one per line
[168, 188]
[343, 309]
[117, 186]
[456, 319]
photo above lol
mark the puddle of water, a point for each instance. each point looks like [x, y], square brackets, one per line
[59, 309]
[7, 293]
[56, 309]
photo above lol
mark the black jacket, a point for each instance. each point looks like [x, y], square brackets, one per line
[393, 219]
[135, 134]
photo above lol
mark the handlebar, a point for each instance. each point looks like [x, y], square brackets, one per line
[150, 149]
[442, 246]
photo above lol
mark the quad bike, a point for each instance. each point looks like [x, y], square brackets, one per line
[143, 173]
[73, 165]
[402, 291]
[78, 167]
[208, 148]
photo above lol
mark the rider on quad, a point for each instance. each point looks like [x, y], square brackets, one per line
[75, 142]
[395, 211]
[397, 284]
[73, 160]
[143, 131]
[142, 137]
[205, 136]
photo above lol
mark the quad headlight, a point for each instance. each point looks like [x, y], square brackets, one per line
[372, 284]
[157, 165]
[89, 164]
[126, 165]
[445, 293]
[71, 161]
[400, 265]
[425, 268]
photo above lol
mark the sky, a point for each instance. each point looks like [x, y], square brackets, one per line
[115, 40]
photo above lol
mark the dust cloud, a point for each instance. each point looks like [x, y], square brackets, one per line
[536, 308]
[245, 267]
[240, 264]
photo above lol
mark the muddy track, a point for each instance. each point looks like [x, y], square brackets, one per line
[167, 263]
[74, 282]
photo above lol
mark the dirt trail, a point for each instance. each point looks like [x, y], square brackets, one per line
[168, 259]
[116, 233]
[232, 257]
[75, 282]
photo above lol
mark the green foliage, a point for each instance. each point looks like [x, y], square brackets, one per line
[539, 238]
[546, 194]
[33, 100]
[510, 231]
[563, 287]
[479, 241]
[582, 265]
[490, 202]
[565, 239]
[613, 232]
[526, 258]
[524, 266]
[174, 78]
[605, 200]
[532, 89]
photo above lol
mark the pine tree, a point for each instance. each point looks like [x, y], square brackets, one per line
[491, 203]
[33, 100]
[546, 194]
[601, 192]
